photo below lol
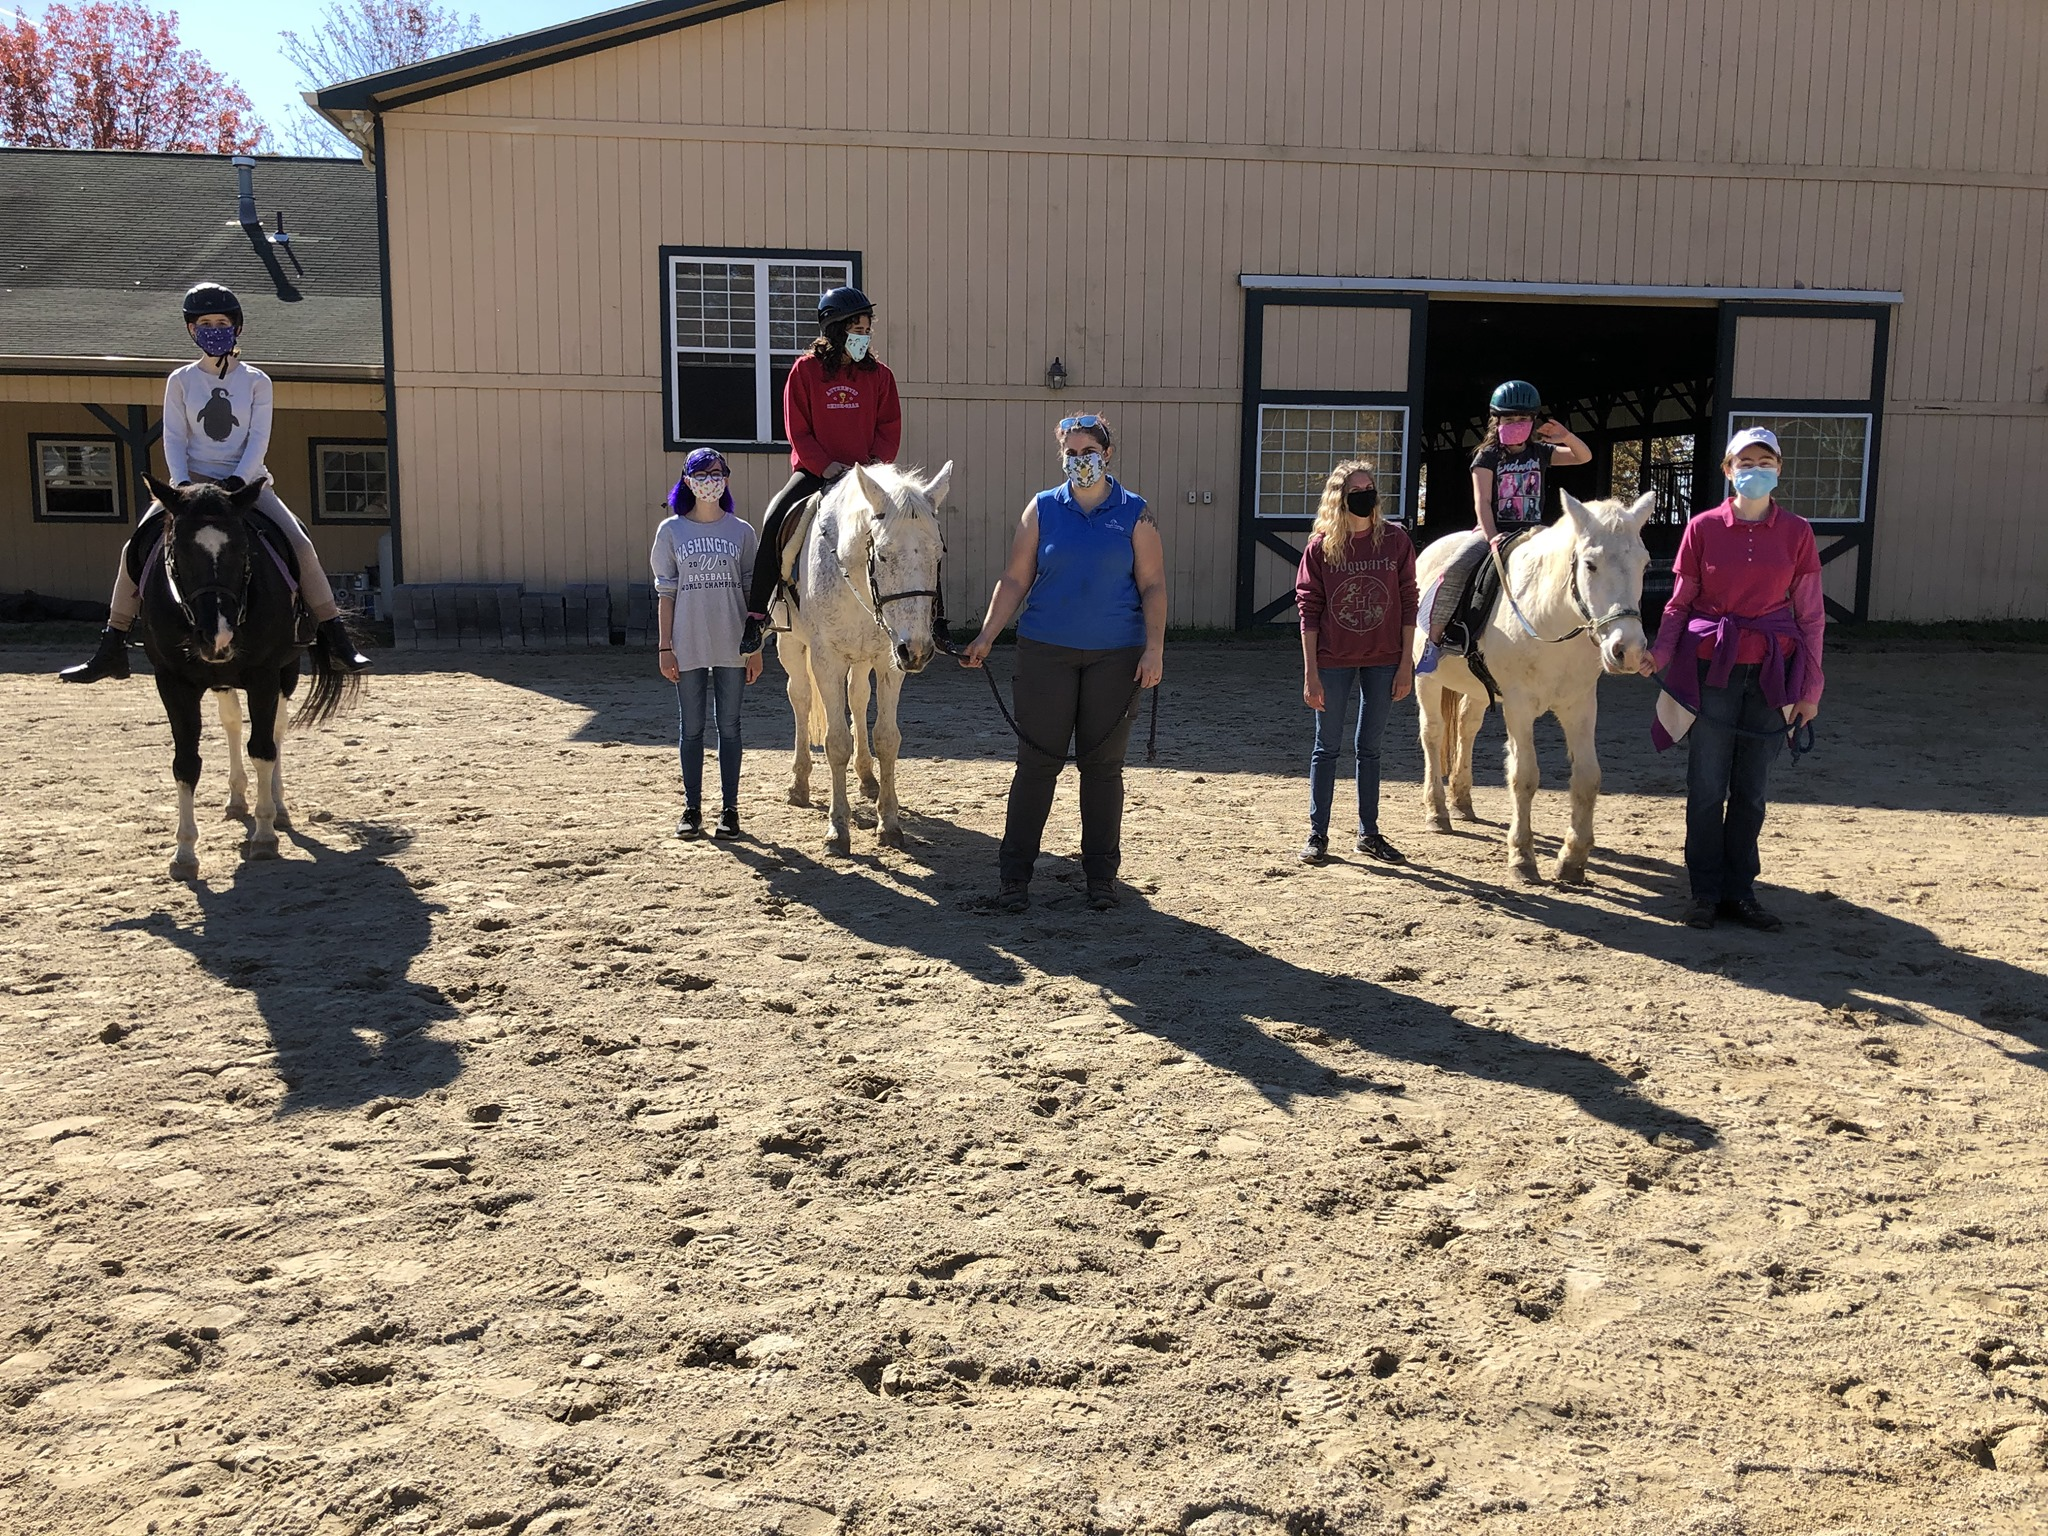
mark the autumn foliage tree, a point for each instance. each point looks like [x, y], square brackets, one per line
[354, 38]
[114, 76]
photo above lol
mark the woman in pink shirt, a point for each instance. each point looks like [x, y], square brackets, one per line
[1740, 649]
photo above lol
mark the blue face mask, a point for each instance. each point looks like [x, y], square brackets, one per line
[1756, 483]
[215, 340]
[857, 347]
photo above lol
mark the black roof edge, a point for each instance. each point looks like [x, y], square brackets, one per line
[516, 55]
[262, 156]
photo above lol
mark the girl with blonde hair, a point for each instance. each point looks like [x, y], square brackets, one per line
[1355, 590]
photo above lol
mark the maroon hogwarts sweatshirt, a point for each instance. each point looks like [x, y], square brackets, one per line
[1358, 607]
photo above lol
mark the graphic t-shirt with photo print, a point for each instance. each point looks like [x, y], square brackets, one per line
[1517, 480]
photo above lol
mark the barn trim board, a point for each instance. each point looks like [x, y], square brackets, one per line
[1259, 604]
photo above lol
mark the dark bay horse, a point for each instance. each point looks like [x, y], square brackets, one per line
[219, 612]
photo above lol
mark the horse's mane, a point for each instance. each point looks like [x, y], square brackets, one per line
[1548, 553]
[893, 481]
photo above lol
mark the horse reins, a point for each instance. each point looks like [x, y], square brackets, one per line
[1592, 625]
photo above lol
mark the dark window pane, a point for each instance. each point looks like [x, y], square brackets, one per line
[778, 375]
[714, 404]
[61, 501]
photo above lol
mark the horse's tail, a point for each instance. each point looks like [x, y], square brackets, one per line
[334, 690]
[818, 723]
[1453, 703]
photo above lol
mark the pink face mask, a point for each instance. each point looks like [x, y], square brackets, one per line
[1516, 433]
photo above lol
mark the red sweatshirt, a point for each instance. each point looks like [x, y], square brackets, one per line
[1359, 606]
[851, 418]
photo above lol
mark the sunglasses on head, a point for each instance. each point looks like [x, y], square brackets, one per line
[1068, 424]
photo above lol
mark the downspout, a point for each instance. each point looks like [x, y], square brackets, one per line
[397, 571]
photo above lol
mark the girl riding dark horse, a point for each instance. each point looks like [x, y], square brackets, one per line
[219, 610]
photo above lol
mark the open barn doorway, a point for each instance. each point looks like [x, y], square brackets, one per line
[1636, 381]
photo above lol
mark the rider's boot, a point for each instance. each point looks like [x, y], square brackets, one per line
[110, 660]
[341, 646]
[750, 637]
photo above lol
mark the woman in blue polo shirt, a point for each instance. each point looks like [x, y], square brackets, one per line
[1089, 572]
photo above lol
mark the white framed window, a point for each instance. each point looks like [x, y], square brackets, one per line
[1300, 444]
[351, 481]
[78, 479]
[1826, 478]
[733, 324]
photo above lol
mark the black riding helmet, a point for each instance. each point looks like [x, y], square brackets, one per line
[212, 299]
[1517, 397]
[842, 304]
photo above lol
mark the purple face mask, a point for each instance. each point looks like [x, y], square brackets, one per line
[215, 340]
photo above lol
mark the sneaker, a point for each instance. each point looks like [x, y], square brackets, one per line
[1432, 653]
[1751, 913]
[1373, 846]
[1015, 896]
[110, 660]
[750, 636]
[1316, 850]
[1102, 895]
[728, 822]
[1701, 914]
[692, 824]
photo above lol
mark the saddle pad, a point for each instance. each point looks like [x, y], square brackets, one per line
[1482, 592]
[794, 529]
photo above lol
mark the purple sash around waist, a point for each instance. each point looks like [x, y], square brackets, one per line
[1781, 675]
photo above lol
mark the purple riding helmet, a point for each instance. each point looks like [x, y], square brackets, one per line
[700, 461]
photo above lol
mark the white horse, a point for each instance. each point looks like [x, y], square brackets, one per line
[1578, 585]
[866, 579]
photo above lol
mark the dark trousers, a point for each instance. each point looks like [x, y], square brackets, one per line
[1086, 699]
[768, 563]
[1725, 776]
[1375, 689]
[701, 693]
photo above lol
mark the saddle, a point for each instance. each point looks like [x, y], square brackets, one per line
[1474, 612]
[794, 528]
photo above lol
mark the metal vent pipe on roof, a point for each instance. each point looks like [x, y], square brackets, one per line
[245, 182]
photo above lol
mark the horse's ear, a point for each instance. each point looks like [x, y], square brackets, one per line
[940, 483]
[245, 498]
[165, 494]
[870, 492]
[1582, 516]
[1639, 513]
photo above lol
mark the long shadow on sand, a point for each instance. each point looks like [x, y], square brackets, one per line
[323, 953]
[1872, 958]
[1211, 995]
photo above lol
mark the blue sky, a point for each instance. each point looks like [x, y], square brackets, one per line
[240, 39]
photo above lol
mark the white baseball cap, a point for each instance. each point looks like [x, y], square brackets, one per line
[1754, 437]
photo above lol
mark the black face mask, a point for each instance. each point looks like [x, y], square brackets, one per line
[1361, 503]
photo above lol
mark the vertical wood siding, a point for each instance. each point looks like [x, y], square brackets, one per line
[960, 147]
[1786, 358]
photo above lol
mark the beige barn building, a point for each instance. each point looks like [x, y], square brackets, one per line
[1261, 235]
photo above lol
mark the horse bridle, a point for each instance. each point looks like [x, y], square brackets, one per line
[880, 600]
[238, 602]
[1592, 625]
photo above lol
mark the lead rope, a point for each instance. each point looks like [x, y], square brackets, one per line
[995, 692]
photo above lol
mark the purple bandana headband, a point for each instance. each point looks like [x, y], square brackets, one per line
[700, 460]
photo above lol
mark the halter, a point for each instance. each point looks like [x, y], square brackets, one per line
[1592, 625]
[877, 600]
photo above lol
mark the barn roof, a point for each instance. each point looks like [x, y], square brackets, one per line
[514, 55]
[96, 246]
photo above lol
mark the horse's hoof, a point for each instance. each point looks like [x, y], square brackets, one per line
[799, 796]
[1524, 870]
[1570, 874]
[1439, 821]
[870, 787]
[260, 850]
[236, 810]
[890, 837]
[1465, 811]
[281, 821]
[840, 844]
[184, 869]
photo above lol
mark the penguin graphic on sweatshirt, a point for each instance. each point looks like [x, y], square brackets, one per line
[217, 416]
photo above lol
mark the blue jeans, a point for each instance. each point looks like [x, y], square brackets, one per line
[1725, 775]
[698, 692]
[1375, 687]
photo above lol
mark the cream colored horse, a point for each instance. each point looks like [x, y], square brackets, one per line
[865, 577]
[1579, 586]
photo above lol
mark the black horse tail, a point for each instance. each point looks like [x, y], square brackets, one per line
[334, 691]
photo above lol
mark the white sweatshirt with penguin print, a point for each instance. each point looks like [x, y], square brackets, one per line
[214, 426]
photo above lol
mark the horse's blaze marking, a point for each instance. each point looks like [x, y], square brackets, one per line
[223, 636]
[212, 540]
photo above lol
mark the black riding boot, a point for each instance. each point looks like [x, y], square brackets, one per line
[110, 660]
[341, 646]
